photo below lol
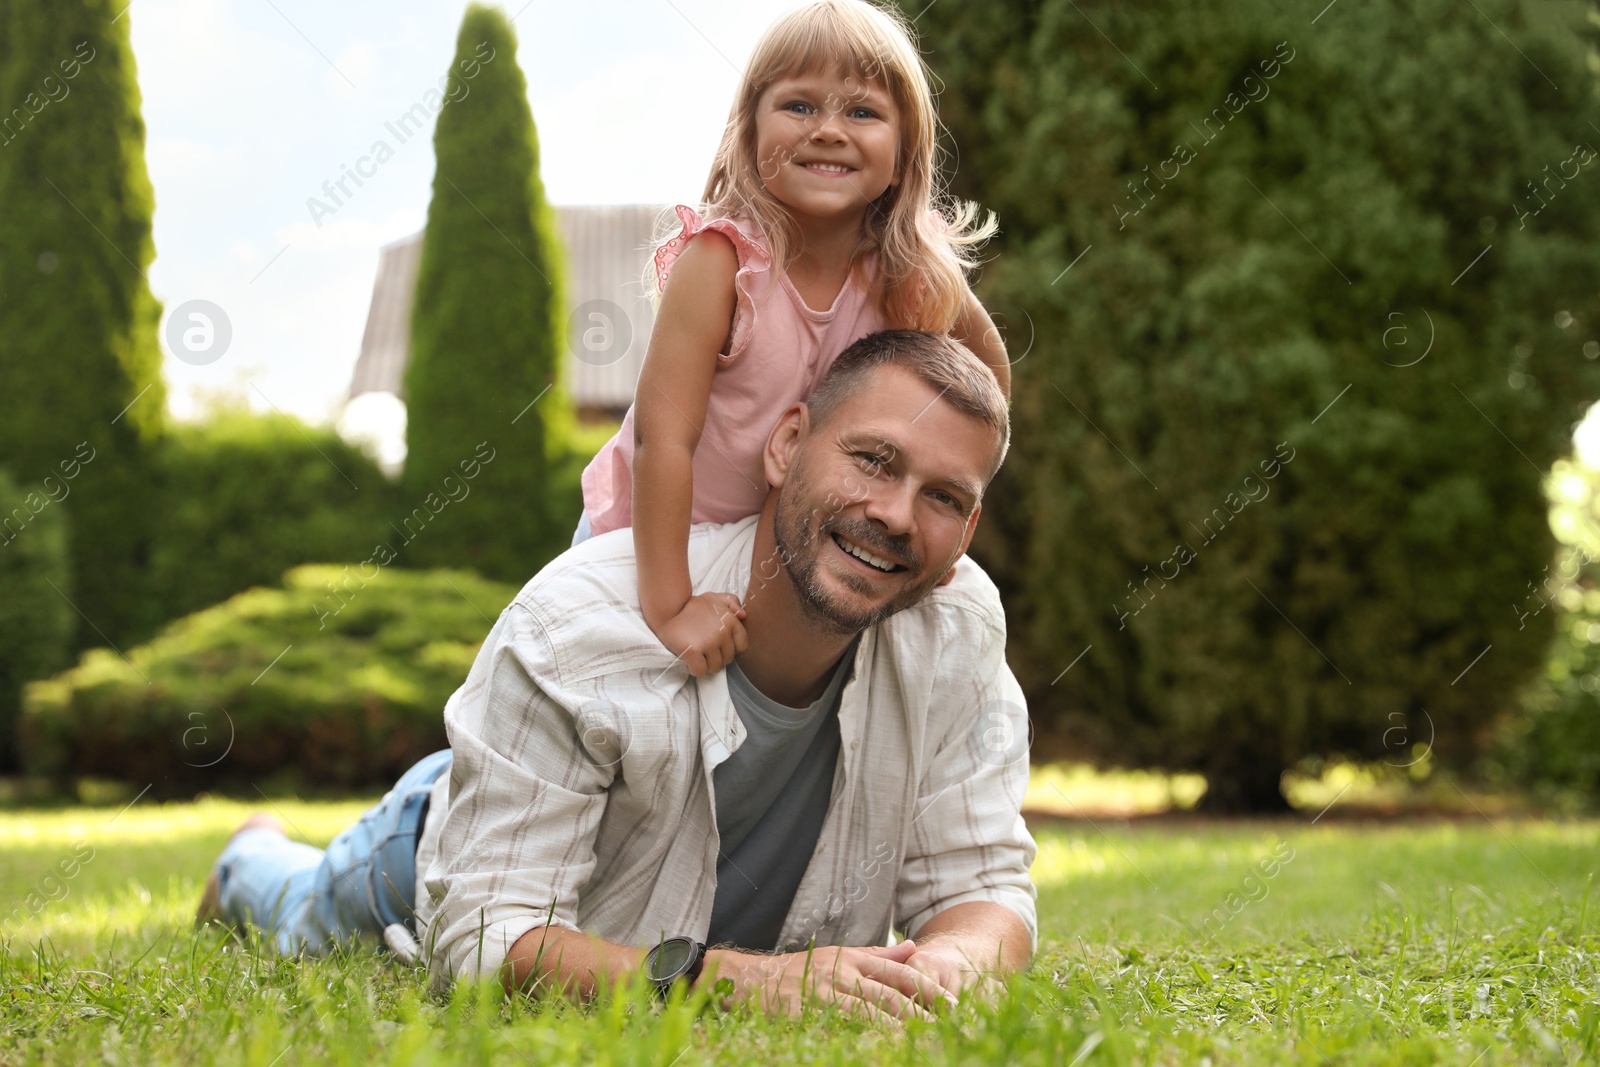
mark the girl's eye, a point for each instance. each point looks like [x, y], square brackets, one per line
[805, 108]
[862, 113]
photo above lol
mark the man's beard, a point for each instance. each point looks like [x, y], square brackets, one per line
[800, 551]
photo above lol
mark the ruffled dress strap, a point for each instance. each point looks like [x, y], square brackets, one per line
[750, 282]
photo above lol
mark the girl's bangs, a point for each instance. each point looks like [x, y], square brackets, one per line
[845, 46]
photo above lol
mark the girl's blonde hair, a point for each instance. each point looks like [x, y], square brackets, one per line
[921, 282]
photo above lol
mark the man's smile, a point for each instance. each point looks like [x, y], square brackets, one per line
[865, 556]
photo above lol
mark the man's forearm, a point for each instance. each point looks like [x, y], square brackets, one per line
[554, 958]
[990, 937]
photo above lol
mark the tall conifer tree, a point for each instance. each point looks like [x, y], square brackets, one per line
[486, 331]
[81, 395]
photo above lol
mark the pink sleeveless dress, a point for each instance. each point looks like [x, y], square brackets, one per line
[779, 351]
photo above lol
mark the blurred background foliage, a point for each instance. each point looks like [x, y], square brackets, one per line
[1552, 746]
[1304, 308]
[1296, 345]
[36, 622]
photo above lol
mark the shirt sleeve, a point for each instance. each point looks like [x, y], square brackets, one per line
[967, 840]
[528, 787]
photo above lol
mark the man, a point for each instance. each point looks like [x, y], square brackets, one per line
[859, 767]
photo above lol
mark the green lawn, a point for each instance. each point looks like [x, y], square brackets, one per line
[1461, 942]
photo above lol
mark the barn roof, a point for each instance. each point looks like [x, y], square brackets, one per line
[609, 316]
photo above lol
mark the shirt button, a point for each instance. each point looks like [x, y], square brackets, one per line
[855, 745]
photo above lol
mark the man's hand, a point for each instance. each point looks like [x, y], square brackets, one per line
[707, 633]
[947, 966]
[872, 983]
[968, 948]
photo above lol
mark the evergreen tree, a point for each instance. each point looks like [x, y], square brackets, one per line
[486, 331]
[80, 368]
[36, 624]
[1312, 307]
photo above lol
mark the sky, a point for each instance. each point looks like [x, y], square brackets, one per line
[251, 105]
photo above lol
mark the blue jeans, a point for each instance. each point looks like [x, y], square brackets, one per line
[308, 899]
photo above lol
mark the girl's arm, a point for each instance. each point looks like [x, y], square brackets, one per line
[977, 332]
[668, 414]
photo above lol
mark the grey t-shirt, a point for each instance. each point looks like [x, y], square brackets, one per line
[772, 799]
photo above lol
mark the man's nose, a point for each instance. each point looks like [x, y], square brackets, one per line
[893, 504]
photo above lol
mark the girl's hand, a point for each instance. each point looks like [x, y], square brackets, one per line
[707, 633]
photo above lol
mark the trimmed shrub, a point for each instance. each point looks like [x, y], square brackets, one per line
[36, 622]
[338, 680]
[487, 330]
[1281, 411]
[80, 368]
[245, 497]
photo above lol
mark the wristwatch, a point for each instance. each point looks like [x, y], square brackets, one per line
[674, 959]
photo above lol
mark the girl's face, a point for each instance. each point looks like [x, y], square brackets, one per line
[827, 144]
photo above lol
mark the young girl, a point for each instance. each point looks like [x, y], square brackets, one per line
[818, 229]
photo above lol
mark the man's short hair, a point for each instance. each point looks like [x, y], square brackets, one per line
[938, 361]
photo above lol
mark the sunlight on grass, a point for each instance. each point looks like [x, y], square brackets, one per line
[1408, 783]
[152, 823]
[1074, 858]
[73, 875]
[1079, 790]
[1075, 789]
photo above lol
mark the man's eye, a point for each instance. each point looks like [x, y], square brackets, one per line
[871, 459]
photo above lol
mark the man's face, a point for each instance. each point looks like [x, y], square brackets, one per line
[895, 475]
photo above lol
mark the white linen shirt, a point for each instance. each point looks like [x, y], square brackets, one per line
[580, 794]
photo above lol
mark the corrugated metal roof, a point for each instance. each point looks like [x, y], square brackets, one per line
[609, 317]
[386, 344]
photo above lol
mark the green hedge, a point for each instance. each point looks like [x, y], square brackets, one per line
[245, 497]
[338, 680]
[36, 622]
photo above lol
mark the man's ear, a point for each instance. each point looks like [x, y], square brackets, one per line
[972, 526]
[966, 540]
[783, 443]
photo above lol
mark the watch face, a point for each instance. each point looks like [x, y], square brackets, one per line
[672, 956]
